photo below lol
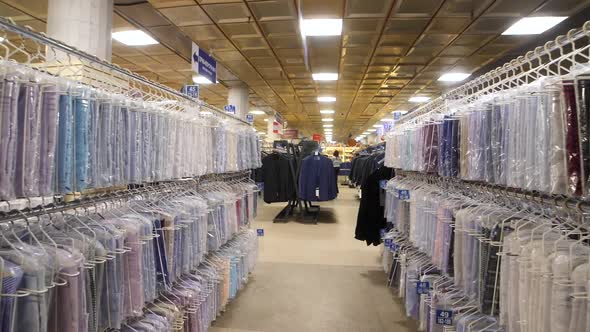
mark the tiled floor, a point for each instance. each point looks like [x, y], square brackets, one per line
[315, 278]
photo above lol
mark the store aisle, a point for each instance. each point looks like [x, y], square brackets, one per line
[315, 278]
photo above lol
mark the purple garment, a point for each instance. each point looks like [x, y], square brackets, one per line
[26, 178]
[12, 278]
[8, 137]
[317, 172]
[47, 139]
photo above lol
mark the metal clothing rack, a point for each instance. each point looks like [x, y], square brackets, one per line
[307, 210]
[87, 200]
[557, 57]
[58, 59]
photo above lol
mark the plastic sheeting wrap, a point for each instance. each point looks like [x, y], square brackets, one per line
[533, 137]
[61, 137]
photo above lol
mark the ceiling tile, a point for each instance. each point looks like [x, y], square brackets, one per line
[274, 28]
[472, 40]
[397, 40]
[187, 15]
[157, 49]
[251, 43]
[513, 8]
[562, 7]
[34, 8]
[203, 32]
[391, 50]
[172, 60]
[467, 8]
[359, 40]
[490, 25]
[448, 25]
[405, 26]
[144, 15]
[270, 10]
[367, 8]
[322, 9]
[361, 25]
[416, 8]
[429, 40]
[228, 13]
[240, 30]
[458, 51]
[216, 45]
[293, 41]
[229, 55]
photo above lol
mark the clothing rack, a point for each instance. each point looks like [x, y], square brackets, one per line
[118, 79]
[59, 205]
[558, 57]
[503, 195]
[306, 209]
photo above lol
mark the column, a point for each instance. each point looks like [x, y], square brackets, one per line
[238, 96]
[84, 24]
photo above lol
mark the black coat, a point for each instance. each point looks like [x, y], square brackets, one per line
[277, 173]
[371, 217]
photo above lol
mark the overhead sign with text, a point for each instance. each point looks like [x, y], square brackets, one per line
[203, 64]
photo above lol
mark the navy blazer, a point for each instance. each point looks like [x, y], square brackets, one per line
[317, 172]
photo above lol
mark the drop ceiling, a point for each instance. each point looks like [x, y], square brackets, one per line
[389, 50]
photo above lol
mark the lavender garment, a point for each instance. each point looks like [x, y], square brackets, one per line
[47, 139]
[8, 137]
[12, 275]
[26, 177]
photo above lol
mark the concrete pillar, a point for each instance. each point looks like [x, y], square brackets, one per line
[84, 24]
[238, 96]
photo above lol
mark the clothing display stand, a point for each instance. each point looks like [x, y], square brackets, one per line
[307, 210]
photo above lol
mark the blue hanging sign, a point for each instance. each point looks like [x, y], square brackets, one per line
[203, 64]
[397, 115]
[382, 232]
[423, 287]
[260, 232]
[231, 109]
[250, 118]
[403, 194]
[191, 91]
[444, 317]
[383, 184]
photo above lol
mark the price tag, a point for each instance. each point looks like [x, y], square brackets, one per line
[423, 287]
[444, 317]
[388, 243]
[394, 247]
[383, 184]
[317, 192]
[382, 232]
[403, 194]
[260, 232]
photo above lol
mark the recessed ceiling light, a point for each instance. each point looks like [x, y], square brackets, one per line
[134, 38]
[265, 120]
[201, 79]
[387, 119]
[328, 120]
[328, 126]
[2, 39]
[257, 112]
[419, 99]
[453, 77]
[534, 25]
[326, 99]
[378, 126]
[327, 111]
[372, 130]
[325, 76]
[366, 133]
[321, 27]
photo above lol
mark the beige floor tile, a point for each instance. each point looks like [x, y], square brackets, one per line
[315, 278]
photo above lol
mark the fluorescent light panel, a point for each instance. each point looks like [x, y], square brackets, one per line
[378, 126]
[206, 112]
[257, 112]
[327, 111]
[321, 27]
[372, 130]
[325, 76]
[453, 77]
[201, 80]
[326, 99]
[387, 119]
[534, 25]
[328, 126]
[419, 99]
[328, 120]
[133, 38]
